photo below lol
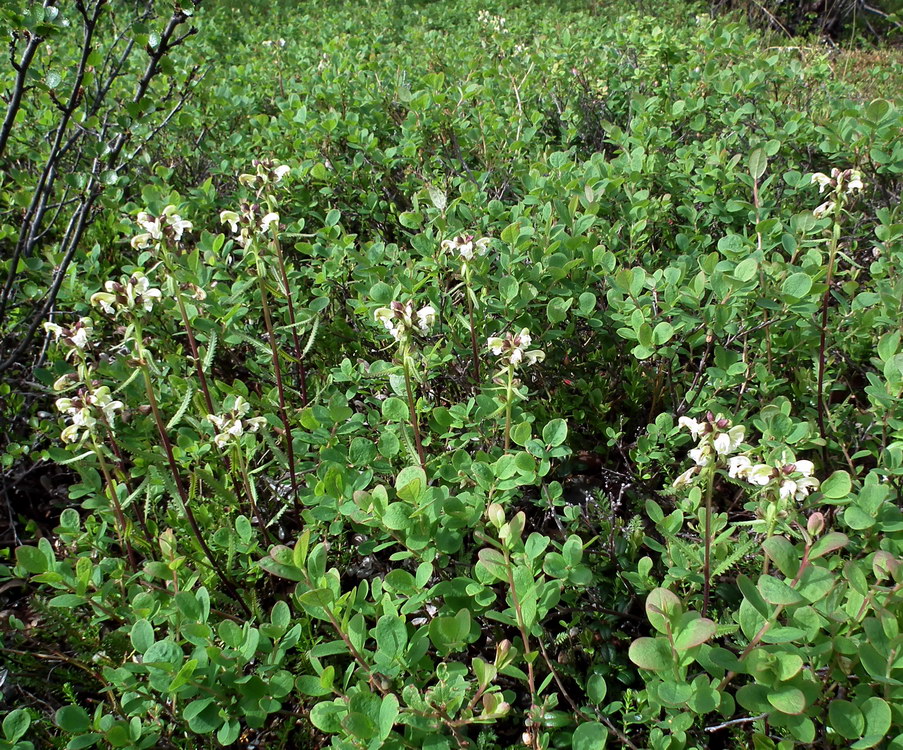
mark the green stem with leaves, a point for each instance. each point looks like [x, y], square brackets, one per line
[277, 370]
[825, 303]
[707, 562]
[412, 406]
[509, 402]
[183, 498]
[122, 530]
[468, 293]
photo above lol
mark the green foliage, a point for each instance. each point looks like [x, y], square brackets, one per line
[340, 364]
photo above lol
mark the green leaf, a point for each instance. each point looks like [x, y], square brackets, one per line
[508, 288]
[662, 333]
[596, 688]
[757, 162]
[410, 484]
[783, 554]
[746, 269]
[15, 724]
[32, 559]
[494, 562]
[827, 544]
[674, 693]
[327, 716]
[142, 635]
[72, 719]
[877, 716]
[183, 675]
[555, 432]
[662, 606]
[846, 719]
[787, 699]
[395, 409]
[837, 486]
[202, 716]
[797, 285]
[391, 636]
[653, 654]
[359, 725]
[694, 633]
[857, 519]
[557, 309]
[777, 592]
[589, 736]
[388, 714]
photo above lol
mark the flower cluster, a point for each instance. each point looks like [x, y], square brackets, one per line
[278, 43]
[793, 480]
[131, 293]
[495, 23]
[232, 425]
[248, 222]
[168, 226]
[267, 173]
[840, 183]
[716, 436]
[77, 337]
[512, 349]
[466, 246]
[84, 409]
[400, 319]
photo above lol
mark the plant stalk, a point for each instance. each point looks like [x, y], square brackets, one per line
[412, 406]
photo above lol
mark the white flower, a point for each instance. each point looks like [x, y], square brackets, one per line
[151, 224]
[760, 474]
[141, 241]
[83, 410]
[426, 318]
[105, 301]
[80, 339]
[283, 169]
[268, 220]
[168, 224]
[231, 218]
[176, 223]
[854, 181]
[727, 442]
[512, 349]
[533, 356]
[53, 328]
[806, 468]
[697, 429]
[495, 344]
[685, 478]
[701, 456]
[232, 425]
[824, 209]
[738, 467]
[398, 318]
[822, 180]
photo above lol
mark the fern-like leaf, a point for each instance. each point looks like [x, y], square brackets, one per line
[209, 354]
[183, 407]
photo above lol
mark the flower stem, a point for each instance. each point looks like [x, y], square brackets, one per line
[283, 415]
[473, 334]
[826, 299]
[412, 406]
[122, 530]
[177, 478]
[246, 481]
[509, 398]
[300, 370]
[707, 563]
[193, 347]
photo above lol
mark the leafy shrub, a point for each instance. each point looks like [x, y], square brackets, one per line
[380, 428]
